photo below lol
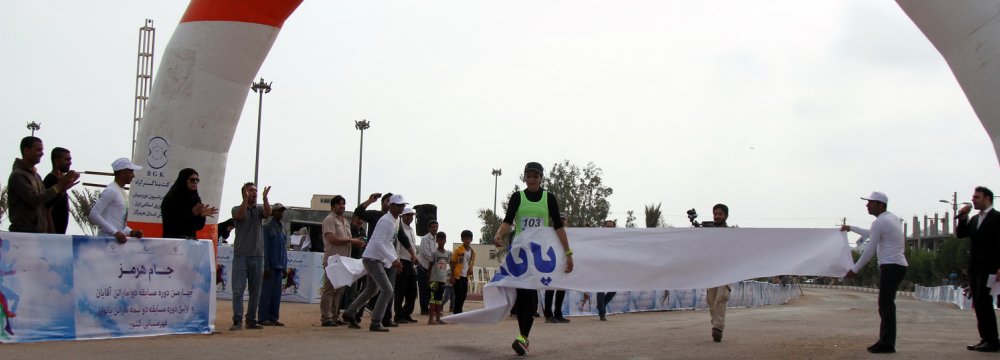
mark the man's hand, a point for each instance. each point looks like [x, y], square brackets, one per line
[374, 197]
[497, 241]
[963, 213]
[845, 227]
[267, 190]
[569, 263]
[397, 265]
[68, 180]
[468, 273]
[850, 274]
[136, 234]
[357, 242]
[246, 196]
[120, 237]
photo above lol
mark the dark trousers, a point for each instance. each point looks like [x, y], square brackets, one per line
[461, 290]
[890, 276]
[423, 287]
[270, 296]
[525, 306]
[602, 302]
[406, 291]
[982, 301]
[554, 312]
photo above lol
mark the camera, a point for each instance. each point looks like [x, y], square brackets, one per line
[692, 215]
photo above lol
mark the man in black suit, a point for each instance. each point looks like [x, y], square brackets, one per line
[984, 231]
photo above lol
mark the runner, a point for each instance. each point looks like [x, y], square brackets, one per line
[533, 207]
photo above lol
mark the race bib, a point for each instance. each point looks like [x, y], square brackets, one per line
[532, 222]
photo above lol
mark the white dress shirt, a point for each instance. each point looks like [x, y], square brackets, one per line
[425, 253]
[110, 211]
[981, 215]
[886, 238]
[401, 251]
[380, 246]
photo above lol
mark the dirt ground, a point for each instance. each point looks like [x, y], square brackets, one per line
[823, 324]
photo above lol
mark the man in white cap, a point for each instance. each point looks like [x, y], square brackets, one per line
[111, 209]
[886, 238]
[379, 255]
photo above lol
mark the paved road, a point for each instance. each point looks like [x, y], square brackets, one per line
[823, 324]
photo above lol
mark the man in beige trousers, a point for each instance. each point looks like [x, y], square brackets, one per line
[717, 297]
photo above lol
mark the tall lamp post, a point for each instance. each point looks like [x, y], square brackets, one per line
[33, 126]
[361, 125]
[496, 175]
[260, 88]
[953, 202]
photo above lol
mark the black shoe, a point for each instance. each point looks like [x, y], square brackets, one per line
[882, 349]
[879, 343]
[329, 323]
[973, 347]
[717, 335]
[266, 323]
[278, 323]
[253, 326]
[988, 347]
[377, 328]
[340, 322]
[561, 320]
[351, 322]
[410, 320]
[237, 326]
[389, 324]
[603, 318]
[549, 320]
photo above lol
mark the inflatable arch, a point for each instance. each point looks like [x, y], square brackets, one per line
[219, 46]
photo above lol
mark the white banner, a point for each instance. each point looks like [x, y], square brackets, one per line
[617, 259]
[301, 283]
[60, 287]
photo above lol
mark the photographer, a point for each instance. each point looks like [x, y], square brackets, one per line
[717, 297]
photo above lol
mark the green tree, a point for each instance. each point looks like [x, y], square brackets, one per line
[3, 204]
[491, 221]
[630, 220]
[580, 191]
[82, 201]
[654, 218]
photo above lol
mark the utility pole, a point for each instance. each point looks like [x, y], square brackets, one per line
[260, 88]
[34, 126]
[496, 175]
[362, 125]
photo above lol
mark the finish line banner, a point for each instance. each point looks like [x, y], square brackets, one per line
[61, 287]
[616, 259]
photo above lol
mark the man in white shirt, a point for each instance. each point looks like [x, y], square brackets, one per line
[111, 209]
[379, 255]
[886, 238]
[425, 257]
[406, 279]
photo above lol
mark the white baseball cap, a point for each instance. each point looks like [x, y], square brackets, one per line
[397, 199]
[124, 163]
[408, 211]
[877, 196]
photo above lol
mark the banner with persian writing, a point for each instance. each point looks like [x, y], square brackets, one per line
[61, 287]
[617, 259]
[301, 282]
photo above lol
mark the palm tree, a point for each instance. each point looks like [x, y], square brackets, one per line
[3, 203]
[654, 218]
[82, 202]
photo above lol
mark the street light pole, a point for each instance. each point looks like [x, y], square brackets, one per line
[260, 88]
[33, 126]
[953, 202]
[496, 175]
[361, 125]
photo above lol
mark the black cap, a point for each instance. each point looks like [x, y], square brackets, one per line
[536, 167]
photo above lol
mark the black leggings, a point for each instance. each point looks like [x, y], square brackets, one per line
[526, 305]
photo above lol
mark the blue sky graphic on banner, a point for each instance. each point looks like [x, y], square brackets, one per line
[62, 287]
[36, 280]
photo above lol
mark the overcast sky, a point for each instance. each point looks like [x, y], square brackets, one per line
[787, 111]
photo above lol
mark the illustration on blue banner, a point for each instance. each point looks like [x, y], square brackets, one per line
[142, 288]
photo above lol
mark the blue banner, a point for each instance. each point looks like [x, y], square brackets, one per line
[60, 287]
